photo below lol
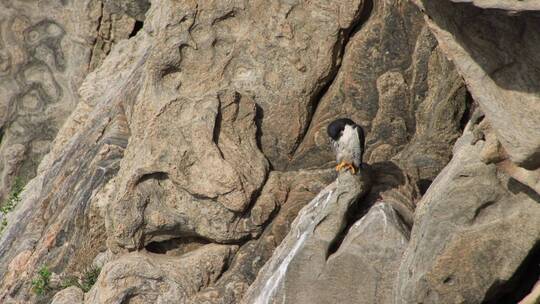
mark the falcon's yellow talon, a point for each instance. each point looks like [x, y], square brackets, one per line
[348, 166]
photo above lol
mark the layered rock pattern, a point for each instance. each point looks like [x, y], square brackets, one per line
[308, 245]
[46, 50]
[500, 70]
[397, 84]
[471, 214]
[196, 142]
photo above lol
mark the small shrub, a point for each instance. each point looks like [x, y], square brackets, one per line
[13, 199]
[40, 285]
[70, 281]
[87, 280]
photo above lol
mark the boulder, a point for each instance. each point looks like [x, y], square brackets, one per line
[70, 295]
[313, 236]
[46, 50]
[142, 277]
[474, 230]
[500, 69]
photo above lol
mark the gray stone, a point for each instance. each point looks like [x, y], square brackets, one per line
[473, 228]
[195, 143]
[519, 5]
[285, 193]
[46, 50]
[153, 278]
[396, 83]
[500, 69]
[70, 295]
[364, 268]
[134, 8]
[125, 169]
[307, 245]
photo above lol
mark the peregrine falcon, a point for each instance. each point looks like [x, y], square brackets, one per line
[348, 141]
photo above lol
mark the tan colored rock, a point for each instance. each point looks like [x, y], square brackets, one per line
[70, 295]
[197, 176]
[530, 178]
[498, 66]
[142, 277]
[285, 193]
[134, 8]
[395, 82]
[198, 188]
[307, 246]
[473, 229]
[46, 50]
[519, 5]
[171, 166]
[492, 152]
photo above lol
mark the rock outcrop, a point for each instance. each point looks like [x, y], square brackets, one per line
[197, 134]
[309, 245]
[395, 82]
[46, 50]
[472, 213]
[501, 69]
[70, 295]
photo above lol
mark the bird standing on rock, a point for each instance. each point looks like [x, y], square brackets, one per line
[348, 141]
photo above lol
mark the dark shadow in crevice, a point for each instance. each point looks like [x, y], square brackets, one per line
[259, 116]
[520, 284]
[423, 185]
[338, 55]
[217, 129]
[356, 211]
[136, 28]
[177, 246]
[470, 107]
[364, 16]
[516, 187]
[401, 191]
[154, 175]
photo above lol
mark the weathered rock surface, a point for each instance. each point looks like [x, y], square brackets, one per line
[286, 193]
[187, 55]
[70, 295]
[140, 277]
[195, 143]
[397, 84]
[307, 246]
[520, 5]
[46, 50]
[364, 268]
[499, 66]
[473, 229]
[134, 8]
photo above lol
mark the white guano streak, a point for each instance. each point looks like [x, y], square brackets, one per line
[303, 226]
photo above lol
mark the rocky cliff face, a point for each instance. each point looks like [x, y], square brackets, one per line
[198, 132]
[46, 50]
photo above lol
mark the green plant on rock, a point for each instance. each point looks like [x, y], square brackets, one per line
[13, 199]
[40, 284]
[87, 280]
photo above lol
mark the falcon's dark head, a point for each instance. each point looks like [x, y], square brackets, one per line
[335, 128]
